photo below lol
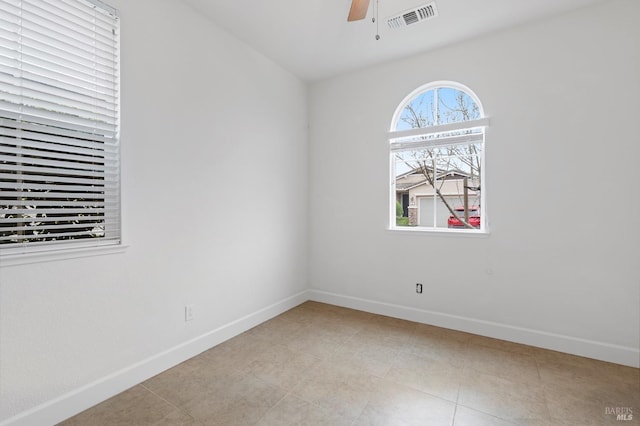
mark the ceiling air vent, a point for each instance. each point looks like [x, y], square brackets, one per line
[413, 16]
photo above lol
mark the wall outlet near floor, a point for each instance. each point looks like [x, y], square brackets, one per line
[189, 312]
[418, 288]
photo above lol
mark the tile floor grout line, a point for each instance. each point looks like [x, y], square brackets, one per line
[178, 408]
[455, 410]
[271, 408]
[453, 418]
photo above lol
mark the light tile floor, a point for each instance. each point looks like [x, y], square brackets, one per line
[319, 364]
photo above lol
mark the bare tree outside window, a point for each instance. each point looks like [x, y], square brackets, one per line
[443, 164]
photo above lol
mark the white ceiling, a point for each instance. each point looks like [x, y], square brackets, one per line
[312, 38]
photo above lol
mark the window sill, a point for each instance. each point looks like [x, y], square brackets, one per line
[59, 254]
[441, 232]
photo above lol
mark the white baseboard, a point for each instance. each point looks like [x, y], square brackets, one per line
[557, 342]
[74, 402]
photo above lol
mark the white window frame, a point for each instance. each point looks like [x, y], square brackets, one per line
[402, 140]
[61, 80]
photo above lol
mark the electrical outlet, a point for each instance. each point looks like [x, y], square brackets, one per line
[418, 288]
[189, 313]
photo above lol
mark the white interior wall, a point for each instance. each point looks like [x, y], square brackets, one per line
[558, 269]
[214, 178]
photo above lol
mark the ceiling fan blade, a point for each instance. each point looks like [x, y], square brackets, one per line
[358, 10]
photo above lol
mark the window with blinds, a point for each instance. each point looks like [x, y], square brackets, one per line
[59, 125]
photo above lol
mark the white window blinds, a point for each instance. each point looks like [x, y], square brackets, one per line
[59, 125]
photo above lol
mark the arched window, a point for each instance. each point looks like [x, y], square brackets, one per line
[436, 147]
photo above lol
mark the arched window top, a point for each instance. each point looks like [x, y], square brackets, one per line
[437, 104]
[436, 144]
